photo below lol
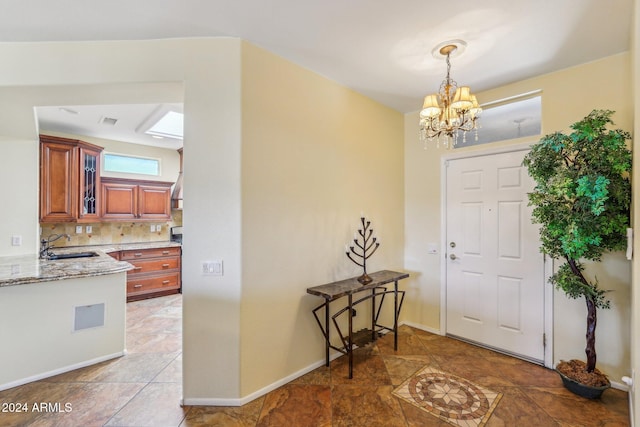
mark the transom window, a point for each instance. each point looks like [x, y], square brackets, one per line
[512, 118]
[131, 164]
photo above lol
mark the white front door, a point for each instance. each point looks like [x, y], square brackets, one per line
[495, 271]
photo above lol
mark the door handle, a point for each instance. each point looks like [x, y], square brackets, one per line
[453, 257]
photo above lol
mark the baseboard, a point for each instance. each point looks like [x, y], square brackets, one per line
[631, 409]
[422, 327]
[619, 386]
[259, 393]
[59, 371]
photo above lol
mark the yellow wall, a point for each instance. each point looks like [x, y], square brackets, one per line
[314, 156]
[567, 96]
[279, 164]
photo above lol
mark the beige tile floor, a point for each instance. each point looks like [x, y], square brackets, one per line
[143, 388]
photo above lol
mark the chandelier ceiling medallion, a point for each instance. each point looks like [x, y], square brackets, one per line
[451, 111]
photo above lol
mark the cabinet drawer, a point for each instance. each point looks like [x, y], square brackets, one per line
[155, 265]
[149, 253]
[146, 284]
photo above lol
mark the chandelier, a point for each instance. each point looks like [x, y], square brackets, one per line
[451, 111]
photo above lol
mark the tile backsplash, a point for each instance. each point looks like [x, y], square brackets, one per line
[104, 233]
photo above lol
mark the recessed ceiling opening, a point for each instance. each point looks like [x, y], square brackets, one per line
[170, 125]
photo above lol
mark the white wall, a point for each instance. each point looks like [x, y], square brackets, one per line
[19, 172]
[19, 134]
[565, 100]
[205, 73]
[36, 322]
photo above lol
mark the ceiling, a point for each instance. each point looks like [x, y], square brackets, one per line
[380, 48]
[131, 122]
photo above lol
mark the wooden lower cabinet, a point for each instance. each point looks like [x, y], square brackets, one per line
[156, 272]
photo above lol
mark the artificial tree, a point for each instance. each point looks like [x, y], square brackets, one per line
[581, 200]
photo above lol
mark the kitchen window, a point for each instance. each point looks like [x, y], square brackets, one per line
[131, 164]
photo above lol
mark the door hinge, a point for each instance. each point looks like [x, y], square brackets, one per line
[544, 340]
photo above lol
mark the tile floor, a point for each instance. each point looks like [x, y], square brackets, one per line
[144, 387]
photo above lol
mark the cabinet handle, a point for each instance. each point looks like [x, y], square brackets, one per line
[137, 254]
[165, 265]
[166, 282]
[165, 252]
[137, 286]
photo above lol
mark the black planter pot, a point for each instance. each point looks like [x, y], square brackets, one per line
[581, 389]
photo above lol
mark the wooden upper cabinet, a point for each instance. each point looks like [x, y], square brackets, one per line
[119, 200]
[89, 184]
[135, 200]
[69, 180]
[154, 201]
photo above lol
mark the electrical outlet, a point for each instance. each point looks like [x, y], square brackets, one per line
[89, 229]
[152, 228]
[16, 240]
[159, 228]
[78, 229]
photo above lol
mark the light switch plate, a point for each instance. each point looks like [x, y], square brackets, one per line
[78, 229]
[212, 268]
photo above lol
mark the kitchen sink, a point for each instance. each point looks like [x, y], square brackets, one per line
[72, 255]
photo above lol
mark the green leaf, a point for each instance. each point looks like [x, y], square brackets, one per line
[581, 198]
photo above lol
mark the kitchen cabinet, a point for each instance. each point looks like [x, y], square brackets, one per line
[135, 200]
[69, 180]
[156, 272]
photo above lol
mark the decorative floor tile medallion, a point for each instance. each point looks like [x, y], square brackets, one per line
[448, 397]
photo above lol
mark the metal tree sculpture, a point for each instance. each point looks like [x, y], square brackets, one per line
[365, 250]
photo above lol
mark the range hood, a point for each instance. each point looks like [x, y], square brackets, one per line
[176, 196]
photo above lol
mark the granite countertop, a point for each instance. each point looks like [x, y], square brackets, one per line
[114, 247]
[341, 288]
[20, 270]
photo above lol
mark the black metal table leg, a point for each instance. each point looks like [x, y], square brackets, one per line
[326, 325]
[350, 343]
[395, 316]
[373, 315]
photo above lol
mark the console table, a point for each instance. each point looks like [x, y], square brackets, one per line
[376, 294]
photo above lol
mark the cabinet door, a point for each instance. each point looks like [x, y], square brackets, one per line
[58, 178]
[154, 202]
[119, 201]
[89, 185]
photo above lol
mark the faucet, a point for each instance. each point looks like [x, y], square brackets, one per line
[45, 244]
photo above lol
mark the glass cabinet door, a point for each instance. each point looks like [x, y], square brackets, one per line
[89, 183]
